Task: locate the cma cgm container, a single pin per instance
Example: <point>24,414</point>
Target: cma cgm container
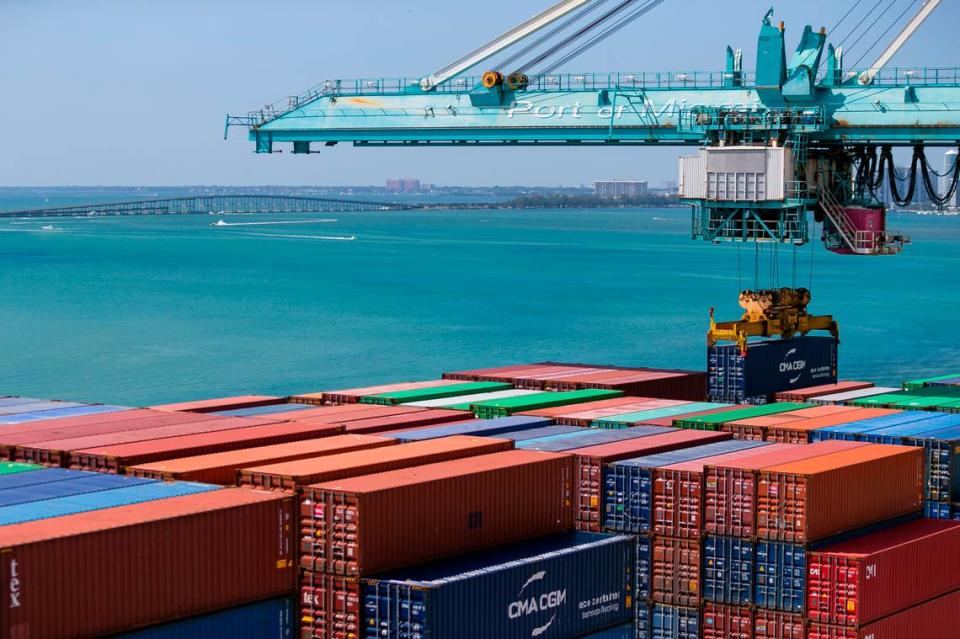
<point>557,586</point>
<point>858,581</point>
<point>166,559</point>
<point>727,622</point>
<point>293,475</point>
<point>628,484</point>
<point>222,468</point>
<point>730,488</point>
<point>589,464</point>
<point>935,619</point>
<point>769,367</point>
<point>405,517</point>
<point>271,619</point>
<point>816,498</point>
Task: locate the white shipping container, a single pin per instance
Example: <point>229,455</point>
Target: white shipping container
<point>476,397</point>
<point>737,174</point>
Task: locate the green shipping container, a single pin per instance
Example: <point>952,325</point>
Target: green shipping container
<point>434,392</point>
<point>626,420</point>
<point>510,405</point>
<point>920,383</point>
<point>9,468</point>
<point>714,422</point>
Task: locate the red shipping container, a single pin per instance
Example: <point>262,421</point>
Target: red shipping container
<point>755,428</point>
<point>678,493</point>
<point>108,571</point>
<point>221,403</point>
<point>813,499</point>
<point>222,467</point>
<point>805,394</point>
<point>769,624</point>
<point>935,619</point>
<point>66,427</point>
<point>676,572</point>
<point>57,452</point>
<point>353,395</point>
<point>800,432</point>
<point>116,459</point>
<point>585,414</point>
<point>730,489</point>
<point>293,475</point>
<point>330,606</point>
<point>482,374</point>
<point>364,525</point>
<point>856,582</point>
<point>727,622</point>
<point>427,417</point>
<point>356,411</point>
<point>590,462</point>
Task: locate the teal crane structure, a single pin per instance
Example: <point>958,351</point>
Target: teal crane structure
<point>795,138</point>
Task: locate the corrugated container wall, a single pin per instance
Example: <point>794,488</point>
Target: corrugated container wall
<point>935,619</point>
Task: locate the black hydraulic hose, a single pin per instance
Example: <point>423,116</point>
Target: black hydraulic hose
<point>887,161</point>
<point>932,191</point>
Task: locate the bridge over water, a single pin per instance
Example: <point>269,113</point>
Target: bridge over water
<point>206,204</point>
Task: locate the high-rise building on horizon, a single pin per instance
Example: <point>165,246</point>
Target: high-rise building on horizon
<point>949,164</point>
<point>620,188</point>
<point>403,185</point>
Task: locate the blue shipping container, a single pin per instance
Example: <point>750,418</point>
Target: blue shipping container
<point>554,587</point>
<point>31,407</point>
<point>674,623</point>
<point>644,620</point>
<point>770,367</point>
<point>477,428</point>
<point>273,619</point>
<point>940,510</point>
<point>941,452</point>
<point>264,410</point>
<point>854,430</point>
<point>61,506</point>
<point>624,631</point>
<point>781,576</point>
<point>628,484</point>
<point>536,433</point>
<point>590,437</point>
<point>643,570</point>
<point>728,569</point>
<point>13,401</point>
<point>81,484</point>
<point>56,413</point>
<point>895,435</point>
<point>31,477</point>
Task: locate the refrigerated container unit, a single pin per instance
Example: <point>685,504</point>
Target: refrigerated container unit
<point>770,367</point>
<point>566,585</point>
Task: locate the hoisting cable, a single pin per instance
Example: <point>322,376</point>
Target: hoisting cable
<point>576,35</point>
<point>529,48</point>
<point>873,24</point>
<point>857,26</point>
<point>850,33</point>
<point>597,39</point>
<point>884,34</point>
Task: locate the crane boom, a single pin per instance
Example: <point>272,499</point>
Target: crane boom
<point>928,8</point>
<point>511,37</point>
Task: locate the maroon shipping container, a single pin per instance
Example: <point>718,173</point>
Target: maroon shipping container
<point>53,429</point>
<point>590,462</point>
<point>349,412</point>
<point>856,582</point>
<point>222,403</point>
<point>115,459</point>
<point>937,619</point>
<point>770,624</point>
<point>501,373</point>
<point>727,622</point>
<point>730,489</point>
<point>816,498</point>
<point>678,493</point>
<point>364,525</point>
<point>687,386</point>
<point>428,417</point>
<point>113,570</point>
<point>293,475</point>
<point>755,428</point>
<point>806,394</point>
<point>222,467</point>
<point>329,606</point>
<point>676,572</point>
<point>57,452</point>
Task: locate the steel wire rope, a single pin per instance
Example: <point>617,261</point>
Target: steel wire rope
<point>873,24</point>
<point>884,34</point>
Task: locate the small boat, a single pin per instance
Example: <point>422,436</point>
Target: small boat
<point>219,223</point>
<point>48,227</point>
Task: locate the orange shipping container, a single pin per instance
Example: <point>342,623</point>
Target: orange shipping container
<point>292,475</point>
<point>802,431</point>
<point>809,500</point>
<point>222,468</point>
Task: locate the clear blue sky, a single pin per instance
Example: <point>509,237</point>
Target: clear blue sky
<point>120,92</point>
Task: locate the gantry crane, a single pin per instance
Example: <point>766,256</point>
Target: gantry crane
<point>795,138</point>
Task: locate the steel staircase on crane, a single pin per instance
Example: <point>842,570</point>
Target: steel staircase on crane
<point>842,235</point>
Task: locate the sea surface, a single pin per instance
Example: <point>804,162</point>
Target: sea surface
<point>142,310</point>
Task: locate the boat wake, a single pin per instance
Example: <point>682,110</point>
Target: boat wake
<point>330,238</point>
<point>321,221</point>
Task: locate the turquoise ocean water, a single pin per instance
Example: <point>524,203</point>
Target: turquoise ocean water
<point>143,310</point>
